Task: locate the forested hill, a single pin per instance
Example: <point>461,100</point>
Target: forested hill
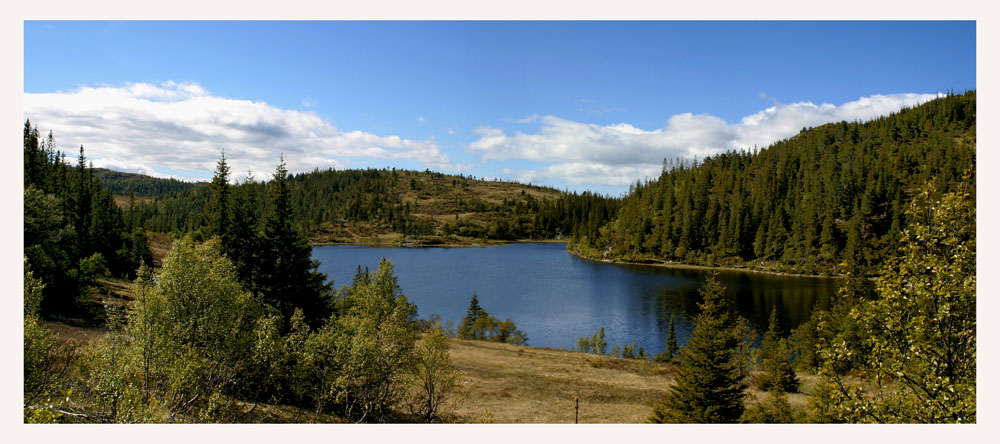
<point>139,185</point>
<point>830,194</point>
<point>392,206</point>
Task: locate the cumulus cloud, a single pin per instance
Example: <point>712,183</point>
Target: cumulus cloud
<point>182,127</point>
<point>617,155</point>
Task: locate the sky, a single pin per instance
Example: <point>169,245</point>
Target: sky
<point>587,105</point>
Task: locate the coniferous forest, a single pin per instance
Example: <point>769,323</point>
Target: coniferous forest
<point>235,323</point>
<point>806,205</point>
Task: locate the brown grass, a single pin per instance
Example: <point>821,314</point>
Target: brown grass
<point>123,201</point>
<point>159,245</point>
<point>510,384</point>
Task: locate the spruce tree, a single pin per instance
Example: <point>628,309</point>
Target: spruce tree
<point>775,359</point>
<point>245,238</point>
<point>473,313</point>
<point>217,211</point>
<point>290,278</point>
<point>709,386</point>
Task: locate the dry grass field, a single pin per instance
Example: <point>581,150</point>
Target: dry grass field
<point>504,383</point>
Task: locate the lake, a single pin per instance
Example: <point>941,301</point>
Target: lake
<point>556,297</point>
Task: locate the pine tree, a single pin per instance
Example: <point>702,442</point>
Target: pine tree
<point>709,386</point>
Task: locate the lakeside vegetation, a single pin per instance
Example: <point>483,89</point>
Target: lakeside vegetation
<point>237,316</point>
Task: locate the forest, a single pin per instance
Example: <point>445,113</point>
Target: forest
<point>829,195</point>
<point>237,317</point>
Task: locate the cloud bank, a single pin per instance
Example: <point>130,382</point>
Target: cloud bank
<point>617,155</point>
<point>181,127</point>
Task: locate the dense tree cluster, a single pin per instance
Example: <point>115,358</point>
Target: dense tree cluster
<point>805,204</point>
<point>140,185</point>
<point>478,324</point>
<point>271,254</point>
<point>195,346</point>
<point>900,351</point>
<point>72,227</point>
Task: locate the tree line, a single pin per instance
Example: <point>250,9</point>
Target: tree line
<point>73,229</point>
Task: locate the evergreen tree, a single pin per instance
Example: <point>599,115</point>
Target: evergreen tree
<point>289,276</point>
<point>775,359</point>
<point>217,211</point>
<point>709,386</point>
<point>474,313</point>
<point>672,348</point>
<point>245,237</point>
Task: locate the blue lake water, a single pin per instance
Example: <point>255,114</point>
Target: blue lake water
<point>556,297</point>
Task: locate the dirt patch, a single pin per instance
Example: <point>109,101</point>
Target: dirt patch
<point>159,245</point>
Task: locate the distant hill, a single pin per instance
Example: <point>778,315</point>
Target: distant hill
<point>831,194</point>
<point>122,184</point>
<point>383,206</point>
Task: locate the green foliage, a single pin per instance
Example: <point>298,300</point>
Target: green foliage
<point>473,314</point>
<point>920,341</point>
<point>594,344</point>
<point>123,184</point>
<point>93,266</point>
<point>193,328</point>
<point>709,385</point>
<point>114,384</point>
<point>432,378</point>
<point>373,342</point>
<point>50,246</point>
<point>478,324</point>
<point>774,358</point>
<point>380,201</point>
<point>828,194</point>
<point>289,276</point>
<point>774,410</point>
<point>69,216</point>
<point>46,364</point>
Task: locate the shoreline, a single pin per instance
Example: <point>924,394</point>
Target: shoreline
<point>680,265</point>
<point>659,264</point>
<point>419,244</point>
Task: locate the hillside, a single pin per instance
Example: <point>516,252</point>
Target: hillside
<point>830,195</point>
<point>139,185</point>
<point>398,207</point>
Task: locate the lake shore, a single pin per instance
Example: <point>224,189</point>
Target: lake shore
<point>394,242</point>
<point>680,265</point>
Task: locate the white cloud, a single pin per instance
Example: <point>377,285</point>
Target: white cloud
<point>143,127</point>
<point>585,153</point>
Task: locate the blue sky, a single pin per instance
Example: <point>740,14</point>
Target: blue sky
<point>578,105</point>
